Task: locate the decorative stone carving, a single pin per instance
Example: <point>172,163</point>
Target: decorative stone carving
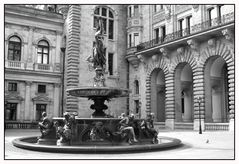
<point>168,12</point>
<point>99,79</point>
<point>57,85</point>
<point>155,58</point>
<point>64,134</point>
<point>100,133</point>
<point>164,51</point>
<point>180,50</point>
<point>193,44</point>
<point>228,34</point>
<point>211,43</point>
<point>28,83</point>
<point>142,59</point>
<point>63,9</point>
<point>195,7</point>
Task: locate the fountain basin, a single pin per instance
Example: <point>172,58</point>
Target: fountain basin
<point>30,144</point>
<point>109,92</point>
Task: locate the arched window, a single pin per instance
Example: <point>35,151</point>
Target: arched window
<point>136,84</point>
<point>14,48</point>
<point>43,52</point>
<point>108,20</point>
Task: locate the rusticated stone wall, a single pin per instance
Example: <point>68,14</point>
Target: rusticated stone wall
<point>73,51</point>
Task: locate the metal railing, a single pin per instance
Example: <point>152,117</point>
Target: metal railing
<point>21,125</point>
<point>217,126</point>
<point>209,24</point>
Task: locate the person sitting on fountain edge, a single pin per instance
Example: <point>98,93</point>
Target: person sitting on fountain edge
<point>124,126</point>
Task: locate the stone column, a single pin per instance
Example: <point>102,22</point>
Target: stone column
<point>169,101</point>
<point>30,47</point>
<point>56,100</point>
<point>28,110</point>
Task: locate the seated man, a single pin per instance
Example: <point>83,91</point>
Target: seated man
<point>147,126</point>
<point>125,127</point>
<point>45,126</point>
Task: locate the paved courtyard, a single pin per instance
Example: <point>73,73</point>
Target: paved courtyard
<point>209,145</point>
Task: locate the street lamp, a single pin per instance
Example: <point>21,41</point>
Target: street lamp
<point>199,99</point>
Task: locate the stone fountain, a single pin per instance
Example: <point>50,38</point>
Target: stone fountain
<point>101,132</point>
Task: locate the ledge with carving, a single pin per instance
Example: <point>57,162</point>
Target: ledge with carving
<point>133,59</point>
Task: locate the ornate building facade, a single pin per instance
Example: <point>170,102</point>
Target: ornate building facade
<point>182,64</point>
<point>178,61</point>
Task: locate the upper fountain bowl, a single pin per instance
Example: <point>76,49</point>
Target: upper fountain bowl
<point>109,92</point>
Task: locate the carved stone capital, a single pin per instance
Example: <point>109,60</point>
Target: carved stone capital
<point>57,85</point>
<point>193,44</point>
<point>211,43</point>
<point>180,50</point>
<point>228,34</point>
<point>28,83</point>
<point>195,7</point>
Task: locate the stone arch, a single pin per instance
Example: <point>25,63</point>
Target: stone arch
<point>219,49</point>
<point>15,34</point>
<point>185,57</point>
<point>106,6</point>
<point>43,38</point>
<point>160,64</point>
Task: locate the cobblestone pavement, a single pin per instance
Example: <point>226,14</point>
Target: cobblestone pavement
<point>209,145</point>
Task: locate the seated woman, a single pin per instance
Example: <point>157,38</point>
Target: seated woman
<point>125,127</point>
<point>147,126</point>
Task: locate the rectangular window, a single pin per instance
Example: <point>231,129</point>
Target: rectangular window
<point>156,35</point>
<point>136,39</point>
<point>155,8</point>
<point>111,29</point>
<point>219,13</point>
<point>189,24</point>
<point>129,13</point>
<point>12,86</point>
<point>136,106</point>
<point>130,39</point>
<point>136,10</point>
<point>11,111</point>
<point>163,33</point>
<point>104,12</point>
<point>104,24</point>
<point>14,51</point>
<point>110,63</point>
<point>41,88</point>
<point>180,27</point>
<point>40,108</point>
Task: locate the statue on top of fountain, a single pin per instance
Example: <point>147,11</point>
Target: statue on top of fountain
<point>98,58</point>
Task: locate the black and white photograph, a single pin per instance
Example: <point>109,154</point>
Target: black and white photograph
<point>118,81</point>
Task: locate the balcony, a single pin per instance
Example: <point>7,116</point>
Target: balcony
<point>43,67</point>
<point>198,28</point>
<point>14,64</point>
